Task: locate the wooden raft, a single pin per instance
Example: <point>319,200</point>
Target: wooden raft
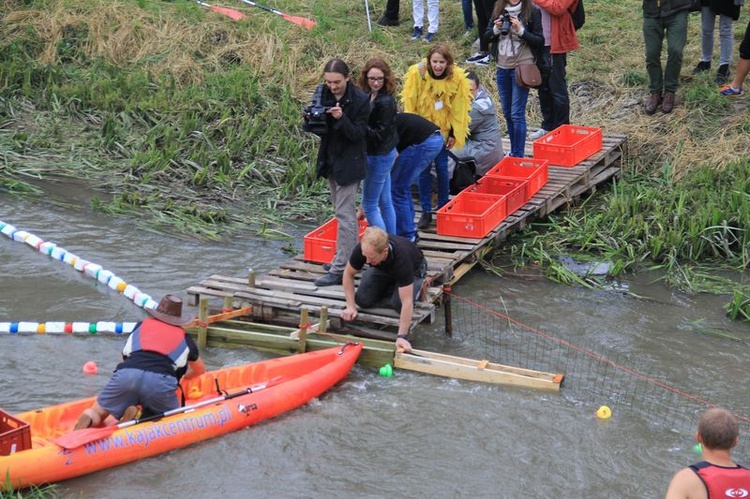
<point>278,296</point>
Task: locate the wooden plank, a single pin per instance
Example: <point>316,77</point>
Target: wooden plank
<point>468,369</point>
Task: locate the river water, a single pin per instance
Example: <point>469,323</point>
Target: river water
<point>410,435</point>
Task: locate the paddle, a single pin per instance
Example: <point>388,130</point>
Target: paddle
<point>77,438</point>
<point>301,21</point>
<point>230,13</point>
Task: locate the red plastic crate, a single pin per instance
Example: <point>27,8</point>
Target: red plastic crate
<point>320,244</point>
<point>15,435</point>
<point>471,214</point>
<point>568,145</point>
<point>513,190</point>
<point>533,170</point>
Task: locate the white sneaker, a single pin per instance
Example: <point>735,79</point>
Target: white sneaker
<point>538,134</point>
<point>476,56</point>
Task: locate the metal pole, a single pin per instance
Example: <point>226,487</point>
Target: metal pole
<point>367,9</point>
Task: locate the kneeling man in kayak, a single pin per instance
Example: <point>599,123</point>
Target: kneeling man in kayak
<point>157,354</point>
<point>394,278</point>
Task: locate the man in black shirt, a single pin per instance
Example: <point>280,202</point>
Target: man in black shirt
<point>395,274</point>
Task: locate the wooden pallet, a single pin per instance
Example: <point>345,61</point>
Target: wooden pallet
<point>279,295</point>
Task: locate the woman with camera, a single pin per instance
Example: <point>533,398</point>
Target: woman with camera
<point>378,80</point>
<point>438,90</point>
<point>342,155</point>
<point>517,30</point>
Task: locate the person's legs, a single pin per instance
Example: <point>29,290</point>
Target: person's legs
<point>505,92</point>
<point>374,286</point>
<point>417,12</point>
<point>676,26</point>
<point>386,201</point>
<point>158,393</point>
<point>344,198</point>
<point>468,14</point>
<point>443,179</point>
<point>653,37</point>
<point>433,16</point>
<point>708,20</point>
<point>373,187</point>
<point>518,111</point>
<point>483,9</point>
<point>559,90</point>
<point>545,92</point>
<point>726,40</point>
<point>391,11</point>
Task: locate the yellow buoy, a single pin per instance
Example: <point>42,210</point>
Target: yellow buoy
<point>604,412</point>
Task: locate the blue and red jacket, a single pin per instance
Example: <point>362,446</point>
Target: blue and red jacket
<point>156,336</point>
<point>723,482</point>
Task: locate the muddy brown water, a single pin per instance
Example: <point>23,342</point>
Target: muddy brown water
<point>411,435</point>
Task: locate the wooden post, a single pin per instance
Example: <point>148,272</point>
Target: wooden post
<point>323,326</point>
<point>203,318</point>
<point>448,311</point>
<point>228,305</point>
<point>251,278</point>
<point>303,325</point>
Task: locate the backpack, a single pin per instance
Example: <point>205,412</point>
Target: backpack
<point>578,15</point>
<point>464,175</point>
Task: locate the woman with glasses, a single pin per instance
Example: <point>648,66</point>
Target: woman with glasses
<point>378,80</point>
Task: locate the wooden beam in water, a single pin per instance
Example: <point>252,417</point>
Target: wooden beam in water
<point>475,370</point>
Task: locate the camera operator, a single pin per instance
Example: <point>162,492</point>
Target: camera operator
<point>342,155</point>
<point>516,30</point>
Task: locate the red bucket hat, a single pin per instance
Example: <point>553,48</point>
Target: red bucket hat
<point>170,311</point>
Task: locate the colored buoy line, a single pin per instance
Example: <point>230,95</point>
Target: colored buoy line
<point>90,269</point>
<point>67,327</point>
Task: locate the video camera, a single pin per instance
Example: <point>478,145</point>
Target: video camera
<point>315,114</point>
<point>504,23</point>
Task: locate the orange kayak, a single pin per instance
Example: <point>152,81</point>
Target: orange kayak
<point>39,447</point>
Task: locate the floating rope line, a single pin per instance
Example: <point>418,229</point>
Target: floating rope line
<point>597,357</point>
<point>89,269</point>
<point>67,327</point>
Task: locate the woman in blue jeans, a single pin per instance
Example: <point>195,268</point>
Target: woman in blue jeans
<point>520,44</point>
<point>378,80</point>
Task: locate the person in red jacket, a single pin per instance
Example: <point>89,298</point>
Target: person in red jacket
<point>559,39</point>
<point>157,354</point>
<point>717,476</point>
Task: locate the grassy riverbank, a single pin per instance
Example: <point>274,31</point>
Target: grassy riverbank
<point>181,116</point>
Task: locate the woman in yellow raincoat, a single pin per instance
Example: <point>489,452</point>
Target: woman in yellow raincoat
<point>438,90</point>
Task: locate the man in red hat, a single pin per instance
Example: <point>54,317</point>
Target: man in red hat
<point>156,356</point>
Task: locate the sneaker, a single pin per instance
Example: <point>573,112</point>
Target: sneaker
<point>417,33</point>
<point>430,37</point>
<point>425,221</point>
<point>722,75</point>
<point>330,279</point>
<point>477,57</point>
<point>728,91</point>
<point>538,134</point>
<point>468,32</point>
<point>130,413</point>
<point>384,21</point>
<point>701,67</point>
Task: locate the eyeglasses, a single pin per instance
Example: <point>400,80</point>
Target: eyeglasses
<point>376,78</point>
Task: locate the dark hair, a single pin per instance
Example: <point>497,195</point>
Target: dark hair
<point>337,66</point>
<point>389,85</point>
<point>471,75</point>
<point>718,429</point>
<point>442,49</point>
<point>526,8</point>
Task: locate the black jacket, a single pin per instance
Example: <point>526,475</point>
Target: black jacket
<point>343,148</point>
<point>381,128</point>
<point>664,8</point>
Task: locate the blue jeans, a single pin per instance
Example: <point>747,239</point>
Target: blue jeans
<point>443,182</point>
<point>468,15</point>
<point>411,162</point>
<point>513,101</point>
<point>154,391</point>
<point>376,192</point>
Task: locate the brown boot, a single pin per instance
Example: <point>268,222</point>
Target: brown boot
<point>652,103</point>
<point>668,103</point>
